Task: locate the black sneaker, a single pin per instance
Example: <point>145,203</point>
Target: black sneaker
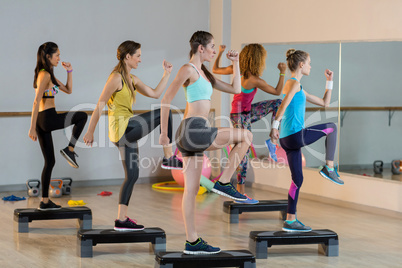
<point>201,247</point>
<point>127,225</point>
<point>229,191</point>
<point>172,163</point>
<point>70,157</point>
<point>48,206</point>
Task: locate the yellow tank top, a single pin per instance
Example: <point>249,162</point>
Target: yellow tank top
<point>120,111</point>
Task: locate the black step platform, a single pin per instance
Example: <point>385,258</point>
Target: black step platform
<point>23,216</point>
<point>234,209</point>
<point>229,258</point>
<point>89,238</point>
<point>260,241</point>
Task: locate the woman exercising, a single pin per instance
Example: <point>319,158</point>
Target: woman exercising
<point>294,135</point>
<point>45,119</point>
<point>125,129</point>
<point>194,135</point>
<point>243,113</point>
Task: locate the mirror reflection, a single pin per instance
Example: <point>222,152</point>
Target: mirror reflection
<point>365,104</point>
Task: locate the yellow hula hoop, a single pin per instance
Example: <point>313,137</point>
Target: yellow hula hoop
<point>173,186</point>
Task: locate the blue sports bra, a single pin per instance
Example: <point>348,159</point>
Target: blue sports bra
<point>199,90</point>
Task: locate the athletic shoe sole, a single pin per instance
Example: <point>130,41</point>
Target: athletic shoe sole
<point>224,194</point>
<point>127,230</point>
<point>295,231</point>
<point>328,178</point>
<point>44,209</point>
<point>199,252</point>
<point>169,167</point>
<point>69,160</point>
<point>247,202</point>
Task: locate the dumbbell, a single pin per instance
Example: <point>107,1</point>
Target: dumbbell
<point>33,187</point>
<point>56,188</point>
<point>378,166</point>
<point>67,185</point>
<point>395,167</point>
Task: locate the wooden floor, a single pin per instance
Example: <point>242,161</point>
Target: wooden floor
<point>366,240</point>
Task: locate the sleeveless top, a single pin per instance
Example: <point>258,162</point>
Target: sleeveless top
<point>51,92</point>
<point>199,90</point>
<point>293,118</point>
<point>242,101</point>
<point>120,111</point>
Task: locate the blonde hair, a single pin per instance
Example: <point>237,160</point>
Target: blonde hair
<point>252,60</point>
<point>294,57</point>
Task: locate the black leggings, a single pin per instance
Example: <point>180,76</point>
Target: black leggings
<point>48,121</point>
<point>138,127</point>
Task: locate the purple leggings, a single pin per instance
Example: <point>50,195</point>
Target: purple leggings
<point>292,145</point>
<point>245,119</point>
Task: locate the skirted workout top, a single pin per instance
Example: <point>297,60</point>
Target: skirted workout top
<point>120,111</point>
<point>293,118</point>
<point>242,101</point>
<point>199,90</point>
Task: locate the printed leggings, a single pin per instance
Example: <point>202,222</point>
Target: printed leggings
<point>138,127</point>
<point>48,121</point>
<point>292,145</point>
<point>244,120</point>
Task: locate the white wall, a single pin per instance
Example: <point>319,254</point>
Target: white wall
<point>88,34</point>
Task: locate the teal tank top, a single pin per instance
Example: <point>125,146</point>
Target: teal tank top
<point>293,118</point>
<point>199,90</point>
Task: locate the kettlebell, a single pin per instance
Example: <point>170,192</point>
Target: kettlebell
<point>67,185</point>
<point>33,187</point>
<point>395,167</point>
<point>56,186</point>
<point>378,166</point>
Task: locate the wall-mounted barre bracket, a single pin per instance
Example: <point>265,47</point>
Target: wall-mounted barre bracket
<point>390,114</point>
<point>343,114</point>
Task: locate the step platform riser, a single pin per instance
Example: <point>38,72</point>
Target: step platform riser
<point>232,258</point>
<point>86,240</point>
<point>22,217</point>
<point>260,241</point>
<point>233,209</point>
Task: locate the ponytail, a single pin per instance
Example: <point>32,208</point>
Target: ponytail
<point>43,63</point>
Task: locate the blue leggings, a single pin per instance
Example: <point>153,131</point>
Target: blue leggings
<point>292,145</point>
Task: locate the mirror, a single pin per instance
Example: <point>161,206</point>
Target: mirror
<point>370,74</point>
<point>365,104</point>
<point>322,56</point>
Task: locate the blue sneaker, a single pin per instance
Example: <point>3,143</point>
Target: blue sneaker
<point>272,150</point>
<point>295,226</point>
<point>331,175</point>
<point>201,247</point>
<point>229,191</point>
<point>249,200</point>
